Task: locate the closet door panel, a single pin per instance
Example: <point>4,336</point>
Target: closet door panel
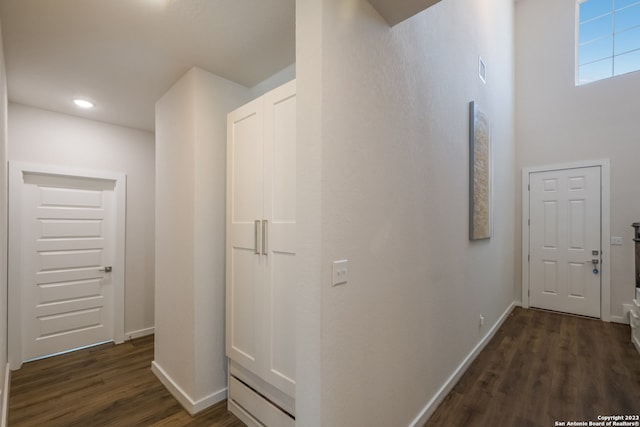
<point>280,211</point>
<point>242,305</point>
<point>245,164</point>
<point>245,153</point>
<point>282,321</point>
<point>280,147</point>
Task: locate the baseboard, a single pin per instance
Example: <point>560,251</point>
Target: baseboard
<point>624,319</point>
<point>619,319</point>
<point>191,406</point>
<point>433,404</point>
<point>4,411</point>
<point>139,333</point>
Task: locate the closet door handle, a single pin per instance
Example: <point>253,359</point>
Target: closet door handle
<point>256,225</point>
<point>265,227</point>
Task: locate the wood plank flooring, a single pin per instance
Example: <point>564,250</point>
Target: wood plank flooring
<point>544,367</point>
<point>540,368</point>
<point>102,386</point>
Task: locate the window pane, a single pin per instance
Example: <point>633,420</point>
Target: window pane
<point>627,63</point>
<point>596,28</point>
<point>592,8</point>
<point>595,71</point>
<point>599,49</point>
<point>627,41</point>
<point>619,4</point>
<point>627,18</point>
<point>608,38</point>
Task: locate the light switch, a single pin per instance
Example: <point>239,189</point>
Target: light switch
<point>616,240</point>
<point>340,272</point>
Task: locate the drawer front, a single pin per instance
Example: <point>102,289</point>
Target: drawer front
<point>634,320</point>
<point>259,407</point>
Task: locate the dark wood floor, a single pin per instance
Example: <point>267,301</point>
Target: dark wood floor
<point>539,368</point>
<point>543,367</point>
<point>101,386</point>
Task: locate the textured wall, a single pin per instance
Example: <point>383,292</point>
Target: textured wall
<point>559,122</point>
<point>3,221</point>
<point>44,137</point>
<point>389,132</point>
<point>191,141</point>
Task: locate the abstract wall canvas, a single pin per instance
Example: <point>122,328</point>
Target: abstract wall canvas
<point>479,174</point>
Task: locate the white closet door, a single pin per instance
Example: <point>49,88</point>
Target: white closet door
<point>280,214</point>
<point>244,208</point>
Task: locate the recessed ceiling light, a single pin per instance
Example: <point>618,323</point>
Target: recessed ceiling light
<point>83,103</point>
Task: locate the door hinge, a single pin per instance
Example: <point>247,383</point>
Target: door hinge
<point>529,222</point>
<point>529,257</point>
<point>528,187</point>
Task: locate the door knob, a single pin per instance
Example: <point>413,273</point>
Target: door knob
<point>106,269</point>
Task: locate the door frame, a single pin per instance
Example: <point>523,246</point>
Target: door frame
<point>605,228</point>
<point>16,185</point>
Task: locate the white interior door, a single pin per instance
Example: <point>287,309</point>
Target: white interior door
<point>565,240</point>
<point>66,264</point>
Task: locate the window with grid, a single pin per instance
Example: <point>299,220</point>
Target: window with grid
<point>608,39</point>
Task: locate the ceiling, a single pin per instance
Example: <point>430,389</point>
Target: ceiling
<point>396,11</point>
<point>125,54</point>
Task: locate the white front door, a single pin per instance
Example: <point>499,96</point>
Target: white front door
<point>65,261</point>
<point>565,240</point>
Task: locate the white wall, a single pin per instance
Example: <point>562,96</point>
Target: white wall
<point>190,235</point>
<point>384,112</point>
<point>558,122</point>
<point>3,237</point>
<point>309,217</point>
<point>44,137</point>
<point>278,79</point>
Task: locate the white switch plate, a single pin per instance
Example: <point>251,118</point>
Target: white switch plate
<point>340,272</point>
<point>616,240</point>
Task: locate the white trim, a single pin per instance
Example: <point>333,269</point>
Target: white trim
<point>16,170</point>
<point>139,333</point>
<point>576,46</point>
<point>14,294</point>
<point>605,229</point>
<point>619,319</point>
<point>624,319</point>
<point>4,411</point>
<point>191,406</point>
<point>634,325</point>
<point>433,404</point>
